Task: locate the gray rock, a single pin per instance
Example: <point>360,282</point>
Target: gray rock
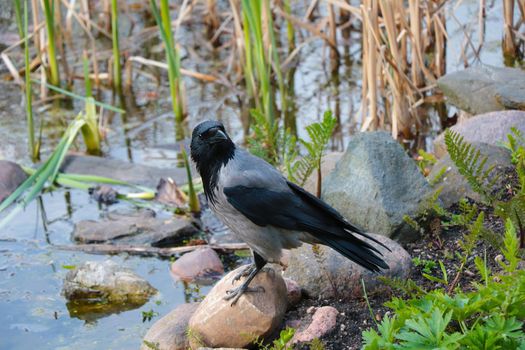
<point>327,274</point>
<point>375,184</point>
<point>141,227</point>
<point>201,264</point>
<point>491,128</point>
<point>483,89</point>
<point>169,333</point>
<point>217,323</point>
<point>106,282</point>
<point>11,176</point>
<point>455,187</point>
<point>293,290</point>
<point>137,174</point>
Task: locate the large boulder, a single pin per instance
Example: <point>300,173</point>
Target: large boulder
<point>376,184</point>
<point>199,265</point>
<point>455,187</point>
<point>483,89</point>
<point>138,174</point>
<point>217,323</point>
<point>11,176</point>
<point>170,332</point>
<point>490,128</point>
<point>140,227</point>
<point>324,273</point>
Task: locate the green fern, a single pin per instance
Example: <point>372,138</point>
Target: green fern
<point>471,164</point>
<point>319,134</point>
<point>516,145</point>
<point>264,143</point>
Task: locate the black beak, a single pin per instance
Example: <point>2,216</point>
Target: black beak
<point>219,136</point>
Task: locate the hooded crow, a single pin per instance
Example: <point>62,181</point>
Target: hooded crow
<point>266,210</point>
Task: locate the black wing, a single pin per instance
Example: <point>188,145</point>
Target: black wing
<point>298,210</point>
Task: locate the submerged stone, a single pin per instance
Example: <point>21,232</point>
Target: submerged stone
<point>11,176</point>
<point>100,288</point>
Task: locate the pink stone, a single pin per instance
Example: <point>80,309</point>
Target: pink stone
<point>324,321</point>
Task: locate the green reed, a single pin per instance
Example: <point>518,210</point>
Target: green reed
<point>34,147</point>
<point>261,63</point>
<point>193,200</point>
<point>49,14</point>
<point>172,57</point>
<point>18,17</point>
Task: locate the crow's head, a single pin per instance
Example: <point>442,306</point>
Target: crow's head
<point>211,147</point>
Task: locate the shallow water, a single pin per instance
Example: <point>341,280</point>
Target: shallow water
<point>32,269</point>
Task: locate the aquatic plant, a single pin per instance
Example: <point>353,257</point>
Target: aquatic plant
<point>172,57</point>
<point>49,13</point>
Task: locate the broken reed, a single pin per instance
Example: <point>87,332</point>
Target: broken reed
<point>396,69</point>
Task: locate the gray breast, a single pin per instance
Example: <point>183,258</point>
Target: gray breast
<point>267,241</point>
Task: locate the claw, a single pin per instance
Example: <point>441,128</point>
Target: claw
<point>236,293</point>
<point>246,271</point>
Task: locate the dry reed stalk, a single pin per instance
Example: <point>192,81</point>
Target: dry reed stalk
<point>415,28</point>
<point>481,23</point>
<point>396,36</point>
<point>509,45</point>
<point>148,62</point>
<point>35,9</point>
<point>332,29</point>
<point>212,21</point>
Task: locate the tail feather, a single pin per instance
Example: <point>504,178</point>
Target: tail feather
<point>358,251</point>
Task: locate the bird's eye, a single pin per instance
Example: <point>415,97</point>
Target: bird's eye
<point>208,133</point>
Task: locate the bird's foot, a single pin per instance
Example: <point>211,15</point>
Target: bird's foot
<point>236,293</point>
<point>246,271</point>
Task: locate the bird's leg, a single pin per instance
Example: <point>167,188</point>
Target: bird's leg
<point>253,269</point>
<point>246,271</point>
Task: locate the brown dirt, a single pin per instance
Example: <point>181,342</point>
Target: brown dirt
<point>355,315</point>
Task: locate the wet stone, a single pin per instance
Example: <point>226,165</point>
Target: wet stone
<point>140,227</point>
<point>11,176</point>
<point>200,265</point>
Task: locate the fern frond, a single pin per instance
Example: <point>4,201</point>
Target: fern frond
<point>471,164</point>
<point>319,134</point>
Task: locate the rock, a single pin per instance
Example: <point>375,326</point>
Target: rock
<point>169,333</point>
<point>11,176</point>
<point>293,291</point>
<point>483,89</point>
<point>220,349</point>
<point>328,274</point>
<point>328,164</point>
<point>376,184</point>
<point>217,323</point>
<point>106,283</point>
<point>104,194</point>
<point>200,264</point>
<point>137,174</point>
<point>140,227</point>
<point>491,128</point>
<point>455,187</point>
<point>323,322</point>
